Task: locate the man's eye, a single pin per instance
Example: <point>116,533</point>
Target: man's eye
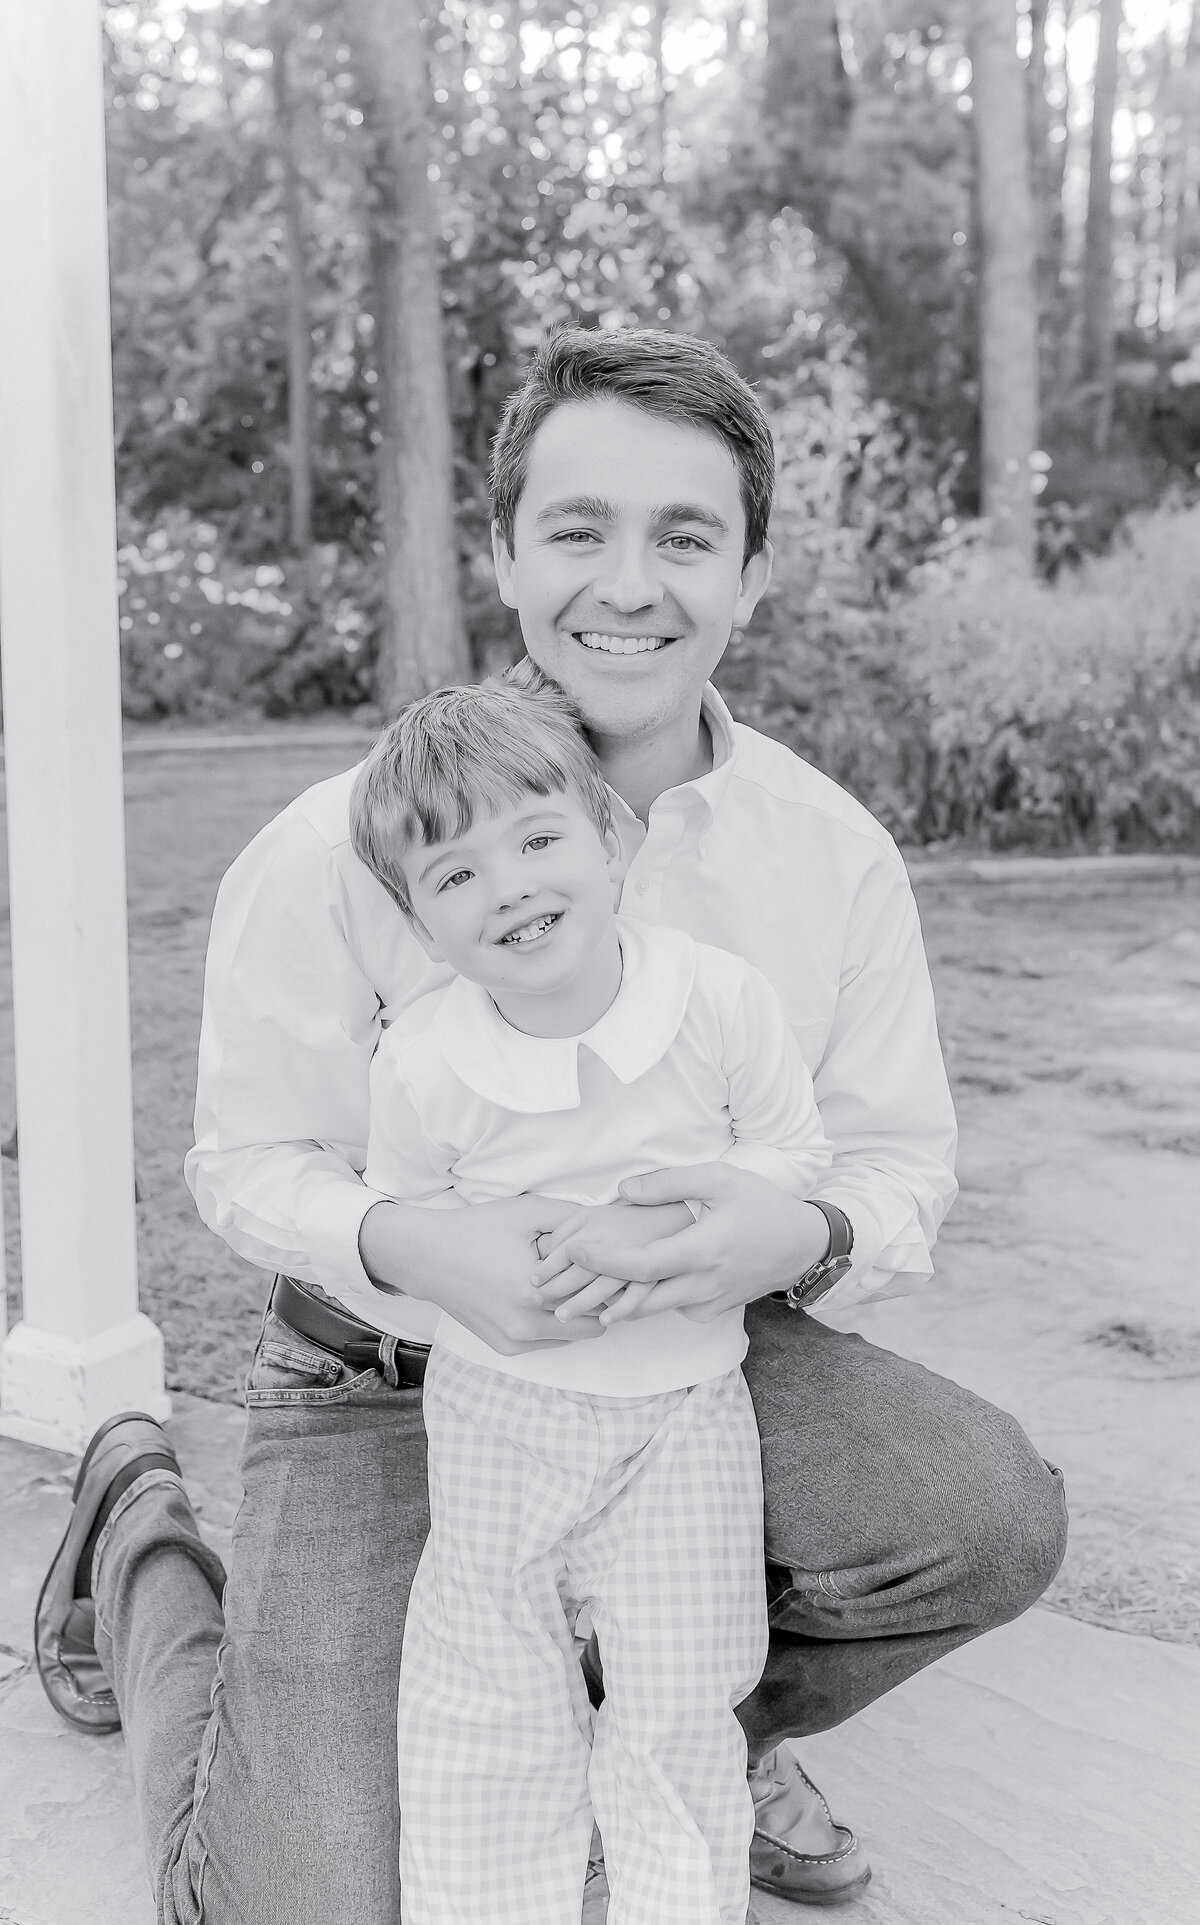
<point>685,544</point>
<point>452,881</point>
<point>576,537</point>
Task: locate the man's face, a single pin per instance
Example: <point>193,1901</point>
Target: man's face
<point>521,901</point>
<point>626,568</point>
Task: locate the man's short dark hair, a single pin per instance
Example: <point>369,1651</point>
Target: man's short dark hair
<point>674,375</point>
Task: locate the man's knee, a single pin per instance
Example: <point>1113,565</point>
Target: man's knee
<point>1012,1528</point>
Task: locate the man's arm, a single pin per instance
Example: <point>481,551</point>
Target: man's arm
<point>290,1023</point>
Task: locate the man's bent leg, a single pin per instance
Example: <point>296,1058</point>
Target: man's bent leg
<point>904,1515</point>
<point>279,1804</point>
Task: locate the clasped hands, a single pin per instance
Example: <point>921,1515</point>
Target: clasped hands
<point>527,1271</point>
<point>648,1252</point>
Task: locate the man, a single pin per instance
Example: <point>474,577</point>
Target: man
<point>632,481</point>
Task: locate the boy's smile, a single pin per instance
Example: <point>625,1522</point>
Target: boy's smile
<point>627,567</point>
<point>522,903</point>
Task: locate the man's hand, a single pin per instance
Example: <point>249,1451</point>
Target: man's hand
<point>576,1290</point>
<point>476,1264</point>
<point>751,1238</point>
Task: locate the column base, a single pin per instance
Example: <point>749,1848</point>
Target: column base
<point>56,1391</point>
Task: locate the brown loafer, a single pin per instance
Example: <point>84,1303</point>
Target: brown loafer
<point>64,1633</point>
<point>809,1878</point>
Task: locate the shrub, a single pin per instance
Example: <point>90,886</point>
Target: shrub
<point>1003,712</point>
<point>204,635</point>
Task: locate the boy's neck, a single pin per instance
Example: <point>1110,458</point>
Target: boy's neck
<point>645,767</point>
<point>573,1008</point>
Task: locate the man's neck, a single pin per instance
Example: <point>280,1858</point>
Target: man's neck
<point>643,769</point>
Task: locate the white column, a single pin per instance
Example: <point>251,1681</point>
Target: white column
<point>82,1351</point>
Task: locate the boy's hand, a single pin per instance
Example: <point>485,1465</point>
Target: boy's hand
<point>751,1238</point>
<point>474,1263</point>
<point>577,1289</point>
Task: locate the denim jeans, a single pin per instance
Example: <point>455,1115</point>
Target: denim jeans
<point>904,1516</point>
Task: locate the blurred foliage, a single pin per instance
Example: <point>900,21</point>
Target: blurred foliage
<point>606,162</point>
<point>988,710</point>
<point>203,634</point>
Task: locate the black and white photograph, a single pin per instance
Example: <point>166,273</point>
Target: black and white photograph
<point>599,962</point>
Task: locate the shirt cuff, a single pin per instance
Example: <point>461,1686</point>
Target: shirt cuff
<point>882,1266</point>
<point>330,1220</point>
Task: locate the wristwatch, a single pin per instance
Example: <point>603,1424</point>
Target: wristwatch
<point>815,1282</point>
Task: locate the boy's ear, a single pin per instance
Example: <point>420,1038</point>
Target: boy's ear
<point>504,566</point>
<point>614,856</point>
<point>424,938</point>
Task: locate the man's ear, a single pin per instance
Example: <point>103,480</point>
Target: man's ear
<point>424,938</point>
<point>755,576</point>
<point>505,567</point>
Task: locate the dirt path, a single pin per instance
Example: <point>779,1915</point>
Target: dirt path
<point>1068,1269</point>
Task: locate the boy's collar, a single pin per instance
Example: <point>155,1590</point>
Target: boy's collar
<point>537,1074</point>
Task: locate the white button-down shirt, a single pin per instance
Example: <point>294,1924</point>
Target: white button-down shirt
<point>693,1061</point>
<point>309,959</point>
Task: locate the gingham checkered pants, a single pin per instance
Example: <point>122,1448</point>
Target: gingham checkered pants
<point>646,1514</point>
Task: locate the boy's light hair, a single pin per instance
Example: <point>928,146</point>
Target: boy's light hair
<point>464,752</point>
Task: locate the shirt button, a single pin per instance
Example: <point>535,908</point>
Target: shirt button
<point>642,888</point>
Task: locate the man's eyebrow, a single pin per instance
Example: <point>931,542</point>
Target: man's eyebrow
<point>591,507</point>
<point>691,511</point>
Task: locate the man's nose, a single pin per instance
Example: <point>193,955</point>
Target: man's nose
<point>627,580</point>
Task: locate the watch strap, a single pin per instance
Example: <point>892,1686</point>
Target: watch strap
<point>821,1276</point>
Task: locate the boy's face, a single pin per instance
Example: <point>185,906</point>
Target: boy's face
<point>626,568</point>
<point>521,902</point>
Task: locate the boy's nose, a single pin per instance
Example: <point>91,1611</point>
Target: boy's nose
<point>511,892</point>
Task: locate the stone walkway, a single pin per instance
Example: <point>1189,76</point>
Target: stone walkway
<point>1050,1773</point>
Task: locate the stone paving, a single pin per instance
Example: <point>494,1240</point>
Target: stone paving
<point>1049,1773</point>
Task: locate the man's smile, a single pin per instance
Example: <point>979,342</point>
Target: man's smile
<point>621,644</point>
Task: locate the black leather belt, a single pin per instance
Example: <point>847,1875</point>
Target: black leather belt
<point>357,1344</point>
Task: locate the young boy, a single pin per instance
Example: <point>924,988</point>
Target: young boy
<point>612,1483</point>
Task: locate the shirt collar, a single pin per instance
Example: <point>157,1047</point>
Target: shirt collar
<point>709,789</point>
<point>533,1074</point>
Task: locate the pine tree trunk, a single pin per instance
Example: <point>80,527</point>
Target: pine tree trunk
<point>424,642</point>
<point>807,101</point>
<point>299,336</point>
<point>1096,361</point>
<point>1008,287</point>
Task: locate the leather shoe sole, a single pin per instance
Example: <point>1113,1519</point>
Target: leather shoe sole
<point>64,1634</point>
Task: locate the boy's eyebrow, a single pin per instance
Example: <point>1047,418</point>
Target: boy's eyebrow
<point>545,809</point>
<point>593,507</point>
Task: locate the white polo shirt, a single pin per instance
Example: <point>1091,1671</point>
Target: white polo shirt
<point>693,1061</point>
<point>309,959</point>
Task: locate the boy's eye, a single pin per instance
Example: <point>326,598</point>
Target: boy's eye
<point>539,842</point>
<point>452,881</point>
